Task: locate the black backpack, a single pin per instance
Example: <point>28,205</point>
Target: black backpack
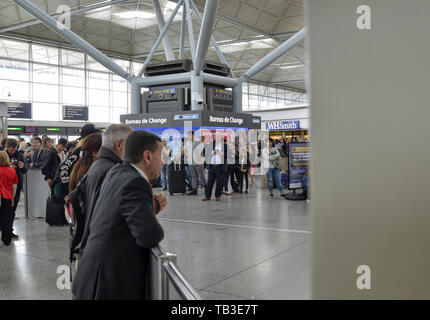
<point>76,204</point>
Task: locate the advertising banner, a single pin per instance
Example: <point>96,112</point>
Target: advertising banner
<point>298,162</point>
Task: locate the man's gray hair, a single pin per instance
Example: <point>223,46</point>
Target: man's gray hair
<point>114,133</point>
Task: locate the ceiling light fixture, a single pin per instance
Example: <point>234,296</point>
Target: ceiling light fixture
<point>292,66</point>
<point>135,14</point>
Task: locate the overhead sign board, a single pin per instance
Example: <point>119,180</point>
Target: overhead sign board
<point>19,110</point>
<point>79,113</point>
<point>200,118</point>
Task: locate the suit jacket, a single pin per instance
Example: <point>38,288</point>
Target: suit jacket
<point>105,161</point>
<point>114,264</point>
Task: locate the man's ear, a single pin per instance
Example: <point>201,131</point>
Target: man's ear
<point>118,145</point>
<point>147,155</point>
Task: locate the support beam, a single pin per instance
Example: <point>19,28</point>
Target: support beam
<point>187,9</point>
<point>73,12</point>
<point>276,66</point>
<point>274,55</point>
<point>219,80</point>
<point>164,79</point>
<point>297,57</point>
<point>197,101</point>
<point>213,42</point>
<point>205,34</point>
<point>237,98</point>
<point>220,43</point>
<point>160,37</point>
<point>73,38</point>
<point>182,39</point>
<point>244,26</point>
<point>135,98</point>
<point>160,21</point>
<point>184,78</point>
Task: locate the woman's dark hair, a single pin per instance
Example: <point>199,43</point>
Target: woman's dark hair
<point>70,145</point>
<point>89,145</point>
<point>137,143</point>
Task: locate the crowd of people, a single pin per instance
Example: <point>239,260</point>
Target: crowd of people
<point>115,172</point>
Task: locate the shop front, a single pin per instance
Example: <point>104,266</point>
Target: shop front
<point>288,129</point>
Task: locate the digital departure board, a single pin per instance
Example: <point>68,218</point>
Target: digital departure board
<point>79,113</point>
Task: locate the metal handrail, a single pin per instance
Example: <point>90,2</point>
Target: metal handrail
<point>185,289</point>
<point>170,272</point>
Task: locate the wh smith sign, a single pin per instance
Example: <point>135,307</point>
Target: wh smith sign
<point>282,125</point>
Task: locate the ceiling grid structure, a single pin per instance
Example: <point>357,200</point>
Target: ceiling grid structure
<point>245,30</point>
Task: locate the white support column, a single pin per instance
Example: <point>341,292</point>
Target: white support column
<point>182,39</point>
<point>205,34</point>
<point>197,95</point>
<point>237,98</point>
<point>136,100</point>
<point>160,21</point>
<point>187,9</point>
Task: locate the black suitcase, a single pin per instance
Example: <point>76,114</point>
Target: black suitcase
<point>176,178</point>
<point>55,214</point>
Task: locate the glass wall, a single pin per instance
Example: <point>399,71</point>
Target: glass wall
<point>259,97</point>
<point>50,77</point>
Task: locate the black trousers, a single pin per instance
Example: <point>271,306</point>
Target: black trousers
<point>6,220</point>
<point>235,175</point>
<point>243,175</point>
<point>215,173</point>
<point>16,200</point>
<point>230,171</point>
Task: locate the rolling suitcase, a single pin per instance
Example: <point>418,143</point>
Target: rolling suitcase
<point>284,179</point>
<point>55,214</point>
<point>176,178</point>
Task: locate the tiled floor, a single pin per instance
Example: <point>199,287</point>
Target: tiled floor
<point>244,247</point>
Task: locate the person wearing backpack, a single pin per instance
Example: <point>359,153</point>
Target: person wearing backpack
<point>110,154</point>
<point>60,185</point>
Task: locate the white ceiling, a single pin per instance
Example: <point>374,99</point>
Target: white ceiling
<point>271,20</point>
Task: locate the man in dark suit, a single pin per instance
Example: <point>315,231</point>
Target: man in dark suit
<point>115,262</point>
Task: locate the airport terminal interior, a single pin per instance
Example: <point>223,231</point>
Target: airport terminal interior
<point>248,73</point>
<point>246,246</point>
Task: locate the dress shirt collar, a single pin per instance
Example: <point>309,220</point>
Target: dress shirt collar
<point>140,172</point>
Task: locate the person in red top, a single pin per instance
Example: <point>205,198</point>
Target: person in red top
<point>8,182</point>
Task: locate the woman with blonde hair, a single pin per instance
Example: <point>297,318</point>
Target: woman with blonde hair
<point>8,183</point>
<point>46,143</point>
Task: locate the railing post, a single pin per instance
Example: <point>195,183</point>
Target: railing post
<point>25,196</point>
<point>163,281</point>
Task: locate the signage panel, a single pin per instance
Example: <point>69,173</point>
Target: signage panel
<point>298,162</point>
<point>19,110</point>
<point>79,113</point>
<point>283,125</point>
